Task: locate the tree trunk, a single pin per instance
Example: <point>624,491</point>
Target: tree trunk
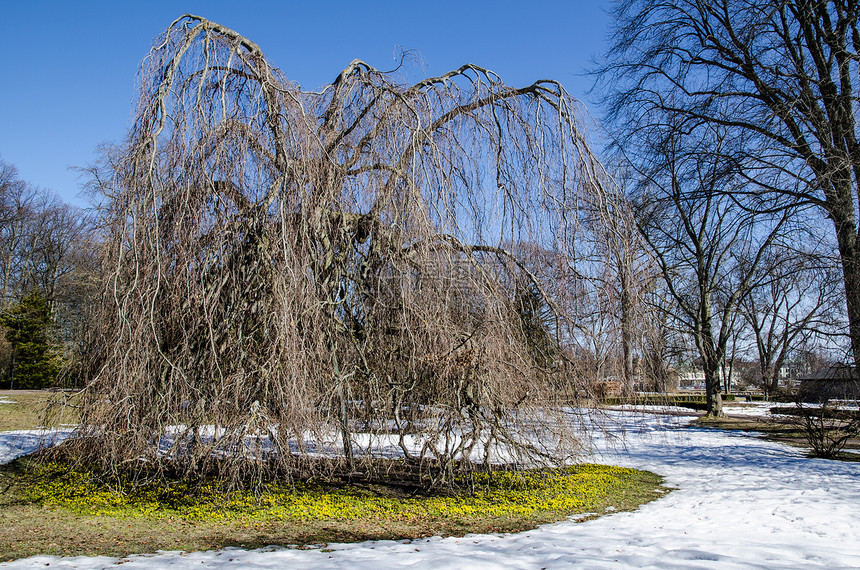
<point>343,414</point>
<point>713,395</point>
<point>769,382</point>
<point>846,237</point>
<point>12,368</point>
<point>851,275</point>
<point>627,331</point>
<point>711,353</point>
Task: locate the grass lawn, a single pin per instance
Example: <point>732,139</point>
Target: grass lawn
<point>26,409</point>
<point>55,516</point>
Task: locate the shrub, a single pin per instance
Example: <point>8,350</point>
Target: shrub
<point>826,428</point>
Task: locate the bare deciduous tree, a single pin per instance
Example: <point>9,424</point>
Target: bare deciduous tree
<point>707,247</point>
<point>18,201</point>
<point>43,247</point>
<point>287,270</point>
<point>794,299</point>
<point>780,74</point>
<point>626,275</point>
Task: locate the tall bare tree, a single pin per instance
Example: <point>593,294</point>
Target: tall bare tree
<point>626,272</point>
<point>707,247</point>
<point>299,269</point>
<point>793,303</point>
<point>780,73</point>
<point>44,249</point>
<point>18,206</point>
<point>40,238</point>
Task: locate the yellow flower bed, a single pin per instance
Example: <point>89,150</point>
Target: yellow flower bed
<point>497,494</point>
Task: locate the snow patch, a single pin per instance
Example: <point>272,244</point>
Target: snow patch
<point>14,444</point>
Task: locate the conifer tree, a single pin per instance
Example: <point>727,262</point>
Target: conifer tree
<point>36,358</point>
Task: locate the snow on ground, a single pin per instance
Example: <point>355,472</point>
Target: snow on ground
<point>763,409</point>
<point>734,409</point>
<point>753,409</point>
<point>15,444</point>
<point>655,409</point>
<point>741,502</point>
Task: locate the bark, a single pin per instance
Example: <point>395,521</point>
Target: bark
<point>844,222</point>
<point>712,351</point>
<point>627,329</point>
<point>713,389</point>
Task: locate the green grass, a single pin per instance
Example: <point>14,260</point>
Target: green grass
<point>49,509</point>
<point>30,409</point>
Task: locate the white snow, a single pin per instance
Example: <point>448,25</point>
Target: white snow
<point>741,502</point>
<point>763,409</point>
<point>14,444</point>
<point>656,409</point>
<point>756,409</point>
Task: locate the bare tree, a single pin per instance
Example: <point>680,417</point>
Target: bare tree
<point>288,270</point>
<point>707,247</point>
<point>626,273</point>
<point>18,205</point>
<point>659,344</point>
<point>43,247</point>
<point>40,237</point>
<point>794,299</point>
<point>780,74</point>
<point>58,235</point>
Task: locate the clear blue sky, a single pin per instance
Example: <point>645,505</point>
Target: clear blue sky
<point>67,77</point>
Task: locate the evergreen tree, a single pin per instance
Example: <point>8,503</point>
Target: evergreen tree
<point>36,359</point>
<point>536,321</point>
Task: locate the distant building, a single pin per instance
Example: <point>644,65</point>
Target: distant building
<point>692,377</point>
<point>837,382</point>
<point>790,375</point>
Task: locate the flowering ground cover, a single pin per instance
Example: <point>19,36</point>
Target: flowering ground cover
<point>506,497</point>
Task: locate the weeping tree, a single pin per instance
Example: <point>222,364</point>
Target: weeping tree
<point>299,282</point>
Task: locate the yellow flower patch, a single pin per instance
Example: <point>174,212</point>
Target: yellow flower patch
<point>496,494</point>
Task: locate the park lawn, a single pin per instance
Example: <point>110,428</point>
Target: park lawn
<point>49,515</point>
<point>774,429</point>
<point>33,409</point>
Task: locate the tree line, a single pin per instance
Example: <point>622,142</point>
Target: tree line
<point>47,271</point>
<point>736,122</point>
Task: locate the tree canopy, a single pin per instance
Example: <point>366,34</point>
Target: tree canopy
<point>36,358</point>
<point>288,266</point>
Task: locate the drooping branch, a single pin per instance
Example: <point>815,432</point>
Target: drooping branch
<point>292,268</point>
